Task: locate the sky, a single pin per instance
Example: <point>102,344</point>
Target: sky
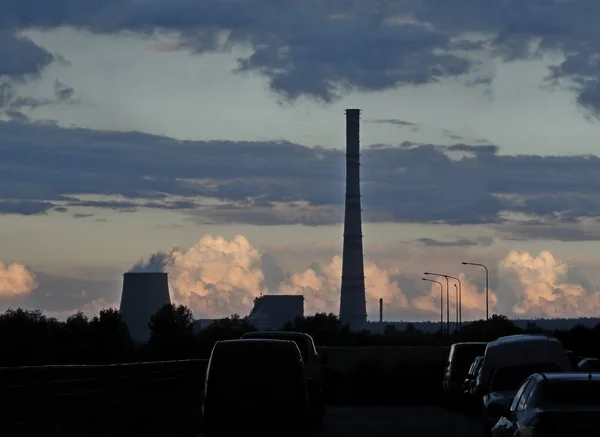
<point>206,139</point>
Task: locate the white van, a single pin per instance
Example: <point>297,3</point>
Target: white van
<point>514,350</point>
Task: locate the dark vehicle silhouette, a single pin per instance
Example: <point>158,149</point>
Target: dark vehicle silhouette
<point>552,404</point>
<point>469,383</point>
<point>312,364</point>
<point>503,386</point>
<point>255,387</point>
<point>460,358</point>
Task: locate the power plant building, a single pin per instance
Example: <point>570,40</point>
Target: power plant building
<point>143,295</point>
<point>271,312</point>
<point>353,305</point>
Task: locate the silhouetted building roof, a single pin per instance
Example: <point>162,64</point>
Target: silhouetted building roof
<point>275,310</point>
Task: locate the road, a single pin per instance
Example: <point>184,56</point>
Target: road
<point>398,422</point>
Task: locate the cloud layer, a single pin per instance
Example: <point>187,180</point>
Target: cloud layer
<point>217,277</point>
<point>325,49</point>
<point>46,167</point>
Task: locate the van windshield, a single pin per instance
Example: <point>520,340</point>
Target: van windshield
<point>510,378</point>
<point>299,340</point>
<point>255,370</point>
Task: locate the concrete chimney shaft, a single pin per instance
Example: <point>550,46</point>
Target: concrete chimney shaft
<point>143,295</point>
<point>353,308</point>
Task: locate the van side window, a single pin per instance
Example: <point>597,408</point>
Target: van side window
<point>519,395</point>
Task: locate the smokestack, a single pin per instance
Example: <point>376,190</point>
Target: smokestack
<point>353,306</point>
<point>143,295</point>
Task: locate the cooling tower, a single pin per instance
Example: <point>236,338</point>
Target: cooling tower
<point>353,308</point>
<point>143,295</point>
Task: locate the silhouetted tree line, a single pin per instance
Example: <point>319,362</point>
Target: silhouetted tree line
<point>30,338</point>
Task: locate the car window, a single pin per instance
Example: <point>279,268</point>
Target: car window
<point>525,395</point>
<point>461,358</point>
<point>515,401</point>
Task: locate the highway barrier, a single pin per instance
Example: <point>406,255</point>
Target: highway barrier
<point>121,398</point>
<point>105,398</point>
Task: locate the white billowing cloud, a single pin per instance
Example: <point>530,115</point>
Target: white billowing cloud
<point>473,299</point>
<point>544,292</point>
<point>216,277</point>
<point>16,280</point>
<point>320,286</point>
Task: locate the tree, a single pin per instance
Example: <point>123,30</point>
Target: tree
<point>27,338</point>
<point>325,329</point>
<point>75,340</point>
<point>110,337</point>
<point>171,332</point>
<point>227,328</point>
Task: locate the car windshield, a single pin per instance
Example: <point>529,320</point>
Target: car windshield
<point>510,378</point>
<point>583,392</point>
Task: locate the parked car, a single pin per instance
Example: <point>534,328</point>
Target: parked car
<point>548,405</point>
<point>460,358</point>
<point>255,386</point>
<point>312,364</point>
<point>503,386</point>
<point>589,365</point>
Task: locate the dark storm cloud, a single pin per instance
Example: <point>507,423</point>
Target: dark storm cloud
<point>572,230</point>
<point>46,167</point>
<point>325,49</point>
<point>24,207</point>
<point>485,241</point>
<point>20,57</point>
<point>394,121</point>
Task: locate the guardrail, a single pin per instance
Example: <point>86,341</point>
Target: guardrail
<point>109,398</point>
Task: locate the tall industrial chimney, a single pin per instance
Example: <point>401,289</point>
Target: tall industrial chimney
<point>353,306</point>
<point>143,295</point>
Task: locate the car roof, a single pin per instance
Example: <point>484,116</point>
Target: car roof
<point>468,343</point>
<point>255,340</point>
<point>277,333</point>
<point>570,376</point>
<point>522,338</point>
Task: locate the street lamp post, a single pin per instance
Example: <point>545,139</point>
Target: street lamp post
<point>441,302</point>
<point>457,307</point>
<point>447,297</point>
<point>487,286</point>
<point>459,301</point>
